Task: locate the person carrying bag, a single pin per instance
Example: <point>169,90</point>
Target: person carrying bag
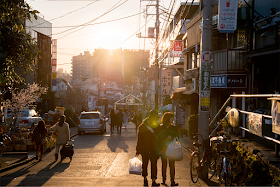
<point>166,136</point>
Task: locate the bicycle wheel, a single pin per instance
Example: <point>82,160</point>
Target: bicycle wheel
<point>194,166</point>
<point>211,166</point>
<point>224,171</point>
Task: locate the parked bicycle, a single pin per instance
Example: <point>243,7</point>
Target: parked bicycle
<point>196,164</point>
<point>222,162</point>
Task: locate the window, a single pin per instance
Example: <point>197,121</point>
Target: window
<point>90,116</point>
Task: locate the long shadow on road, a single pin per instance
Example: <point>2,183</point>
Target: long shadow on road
<point>117,142</point>
<point>45,174</point>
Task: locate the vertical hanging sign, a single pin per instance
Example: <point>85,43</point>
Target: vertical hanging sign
<point>227,17</point>
<point>166,78</point>
<point>54,62</point>
<point>205,81</point>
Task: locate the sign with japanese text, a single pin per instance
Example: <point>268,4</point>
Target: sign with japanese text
<point>205,81</point>
<point>54,61</point>
<point>165,81</point>
<point>178,47</point>
<point>180,116</point>
<point>227,17</point>
<point>228,81</point>
<point>275,113</point>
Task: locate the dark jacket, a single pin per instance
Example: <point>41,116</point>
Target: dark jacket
<point>146,140</point>
<point>166,136</point>
<point>137,120</point>
<point>120,118</point>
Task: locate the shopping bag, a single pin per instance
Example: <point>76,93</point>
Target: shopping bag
<point>44,142</point>
<point>174,150</point>
<point>135,166</point>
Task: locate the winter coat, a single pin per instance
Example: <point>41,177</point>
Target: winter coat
<point>63,133</point>
<point>146,140</point>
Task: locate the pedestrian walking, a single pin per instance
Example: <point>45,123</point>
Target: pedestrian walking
<point>39,135</point>
<point>119,121</point>
<point>62,131</point>
<point>167,133</point>
<point>147,146</point>
<point>125,118</point>
<point>112,120</point>
<point>137,119</point>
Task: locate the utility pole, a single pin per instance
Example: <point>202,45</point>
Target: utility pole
<point>204,91</point>
<point>156,58</point>
<point>156,64</point>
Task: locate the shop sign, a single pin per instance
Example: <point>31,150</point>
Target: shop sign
<point>180,116</point>
<point>130,100</point>
<point>229,81</point>
<point>177,49</point>
<point>165,81</point>
<point>227,17</point>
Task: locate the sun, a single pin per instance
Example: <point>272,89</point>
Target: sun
<point>109,39</point>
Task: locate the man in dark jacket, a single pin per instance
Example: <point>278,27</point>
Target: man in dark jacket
<point>147,147</point>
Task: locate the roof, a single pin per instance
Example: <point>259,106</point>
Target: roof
<point>129,100</point>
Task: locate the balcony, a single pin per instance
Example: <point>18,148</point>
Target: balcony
<point>228,61</point>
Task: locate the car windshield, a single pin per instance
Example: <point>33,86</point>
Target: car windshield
<point>22,113</point>
<point>90,116</point>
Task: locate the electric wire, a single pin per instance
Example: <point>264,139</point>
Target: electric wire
<point>67,13</point>
<point>86,24</point>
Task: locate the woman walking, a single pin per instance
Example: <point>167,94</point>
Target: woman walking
<point>112,120</point>
<point>167,133</point>
<point>39,135</point>
<point>125,118</point>
<point>63,134</point>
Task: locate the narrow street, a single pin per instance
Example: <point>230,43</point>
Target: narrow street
<point>99,160</point>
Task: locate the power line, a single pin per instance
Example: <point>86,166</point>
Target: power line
<point>86,24</point>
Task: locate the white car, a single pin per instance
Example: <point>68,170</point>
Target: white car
<point>25,117</point>
<point>92,121</point>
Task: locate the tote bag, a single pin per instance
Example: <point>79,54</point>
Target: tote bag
<point>174,151</point>
<point>135,166</point>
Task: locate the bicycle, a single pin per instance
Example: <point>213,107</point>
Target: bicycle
<point>196,164</point>
<point>223,165</point>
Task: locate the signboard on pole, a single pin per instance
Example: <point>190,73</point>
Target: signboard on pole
<point>178,47</point>
<point>205,81</point>
<point>166,78</point>
<point>227,17</point>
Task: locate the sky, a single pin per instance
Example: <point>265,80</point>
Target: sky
<point>85,25</point>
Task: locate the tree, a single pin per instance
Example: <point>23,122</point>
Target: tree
<point>24,98</point>
<point>17,48</point>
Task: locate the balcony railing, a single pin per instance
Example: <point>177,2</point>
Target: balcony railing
<point>228,61</point>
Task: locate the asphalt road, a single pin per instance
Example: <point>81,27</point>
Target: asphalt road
<point>99,160</point>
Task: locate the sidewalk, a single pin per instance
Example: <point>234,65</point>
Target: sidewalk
<point>10,160</point>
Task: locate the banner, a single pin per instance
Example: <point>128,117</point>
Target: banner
<point>255,123</point>
<point>178,47</point>
<point>275,113</point>
<point>227,17</point>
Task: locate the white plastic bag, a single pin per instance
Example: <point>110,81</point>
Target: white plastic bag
<point>135,166</point>
<point>174,151</point>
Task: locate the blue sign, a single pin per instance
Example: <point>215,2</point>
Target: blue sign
<point>218,81</point>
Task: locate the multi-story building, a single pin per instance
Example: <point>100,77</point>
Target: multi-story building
<point>41,30</point>
<point>82,66</point>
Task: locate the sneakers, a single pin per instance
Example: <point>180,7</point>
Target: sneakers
<point>146,182</point>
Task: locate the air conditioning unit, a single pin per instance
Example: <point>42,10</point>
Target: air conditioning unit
<point>193,84</point>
